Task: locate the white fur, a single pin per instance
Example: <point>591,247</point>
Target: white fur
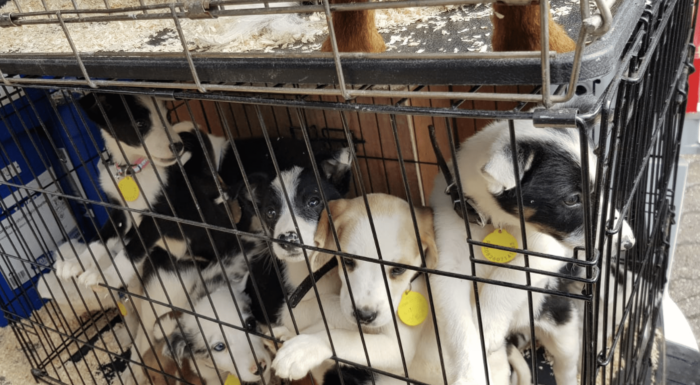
<point>244,361</point>
<point>66,293</point>
<point>485,171</point>
<point>311,350</point>
<point>185,290</point>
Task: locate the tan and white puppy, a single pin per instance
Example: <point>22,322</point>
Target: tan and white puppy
<point>374,308</point>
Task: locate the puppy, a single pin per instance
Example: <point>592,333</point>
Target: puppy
<point>225,348</point>
<point>149,150</point>
<point>181,284</point>
<point>373,308</point>
<point>298,179</point>
<point>549,164</point>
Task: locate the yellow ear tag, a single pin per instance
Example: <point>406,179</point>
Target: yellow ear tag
<point>413,308</point>
<point>232,380</point>
<point>122,308</point>
<point>499,238</point>
<point>129,189</point>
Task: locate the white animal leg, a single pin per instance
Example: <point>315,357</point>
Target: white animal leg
<point>121,264</point>
<point>498,364</point>
<point>459,333</point>
<point>564,346</point>
<point>71,267</point>
<point>305,352</point>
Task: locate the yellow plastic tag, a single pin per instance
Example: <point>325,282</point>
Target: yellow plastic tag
<point>232,380</point>
<point>499,238</point>
<point>129,189</point>
<point>413,308</point>
<point>122,308</point>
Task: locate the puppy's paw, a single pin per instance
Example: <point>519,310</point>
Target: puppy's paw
<point>90,278</point>
<point>69,268</point>
<point>300,355</point>
<point>282,334</point>
<point>93,279</point>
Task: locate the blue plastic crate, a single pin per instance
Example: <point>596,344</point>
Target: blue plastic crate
<point>19,114</point>
<point>30,230</point>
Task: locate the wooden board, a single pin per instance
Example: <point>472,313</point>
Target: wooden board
<point>377,150</point>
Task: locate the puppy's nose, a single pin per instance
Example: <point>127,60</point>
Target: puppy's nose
<point>365,316</point>
<point>627,244</point>
<point>259,368</point>
<point>291,237</point>
<point>177,148</point>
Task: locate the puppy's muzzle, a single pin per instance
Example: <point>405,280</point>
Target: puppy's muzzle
<point>365,316</point>
<point>177,148</point>
<point>290,237</point>
<point>627,243</point>
<point>259,368</point>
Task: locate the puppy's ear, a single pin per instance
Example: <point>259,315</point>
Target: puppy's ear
<point>89,104</point>
<point>499,171</point>
<point>168,323</point>
<point>257,183</point>
<point>424,216</point>
<point>324,233</point>
<point>337,170</point>
<point>176,347</point>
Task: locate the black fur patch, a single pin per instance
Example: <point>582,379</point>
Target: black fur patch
<point>269,286</point>
<point>351,376</point>
<point>557,308</point>
<point>118,115</point>
<point>553,176</point>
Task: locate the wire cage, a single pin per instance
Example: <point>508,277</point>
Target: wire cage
<point>121,265</point>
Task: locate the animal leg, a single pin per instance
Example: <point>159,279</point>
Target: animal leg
<point>355,31</point>
<point>517,28</point>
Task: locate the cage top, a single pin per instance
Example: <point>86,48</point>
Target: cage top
<point>434,67</point>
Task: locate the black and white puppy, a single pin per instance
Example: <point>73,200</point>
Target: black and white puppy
<point>298,178</point>
<point>145,149</point>
<point>195,286</point>
<point>549,165</point>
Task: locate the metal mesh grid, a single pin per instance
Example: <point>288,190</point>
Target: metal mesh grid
<point>595,20</point>
<point>635,128</point>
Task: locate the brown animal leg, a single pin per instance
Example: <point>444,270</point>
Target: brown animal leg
<point>519,30</point>
<point>355,31</point>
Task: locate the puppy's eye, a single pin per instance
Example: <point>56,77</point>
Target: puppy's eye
<point>349,263</point>
<point>250,323</point>
<point>141,123</point>
<point>396,271</point>
<point>572,200</point>
<point>219,347</point>
<point>271,213</point>
<point>313,202</point>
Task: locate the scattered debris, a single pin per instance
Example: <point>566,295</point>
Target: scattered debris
<point>252,33</point>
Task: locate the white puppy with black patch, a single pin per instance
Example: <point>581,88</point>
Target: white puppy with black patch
<point>550,176</point>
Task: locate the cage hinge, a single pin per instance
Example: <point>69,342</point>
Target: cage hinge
<point>6,20</point>
<point>198,9</point>
<point>558,118</point>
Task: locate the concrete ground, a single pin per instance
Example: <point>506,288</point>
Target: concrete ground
<point>684,288</point>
